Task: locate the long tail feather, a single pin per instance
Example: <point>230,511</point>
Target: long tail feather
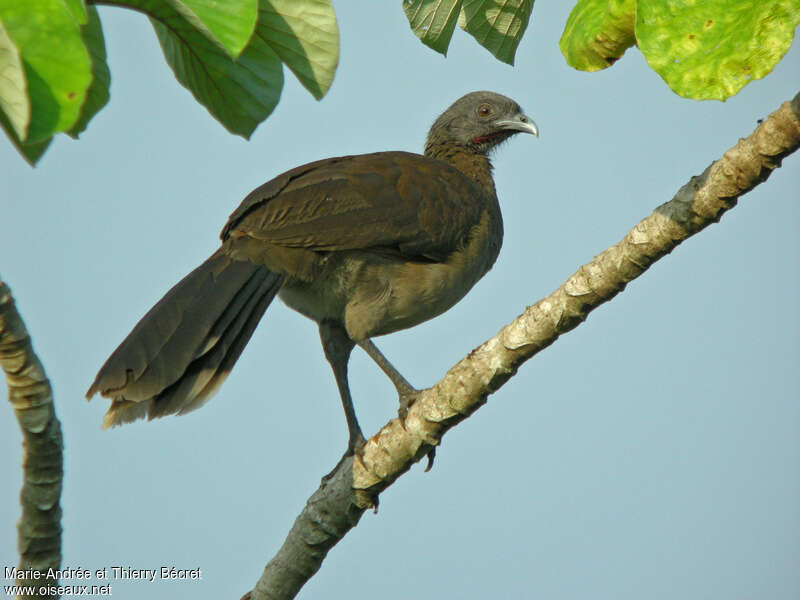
<point>182,350</point>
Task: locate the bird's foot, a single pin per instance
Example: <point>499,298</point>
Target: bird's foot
<point>355,446</point>
<point>407,398</point>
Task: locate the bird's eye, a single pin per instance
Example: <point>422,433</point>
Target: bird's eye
<point>484,110</point>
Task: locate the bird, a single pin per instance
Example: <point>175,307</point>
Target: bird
<point>364,245</point>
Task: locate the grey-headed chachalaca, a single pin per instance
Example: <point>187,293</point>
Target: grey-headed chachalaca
<point>364,245</point>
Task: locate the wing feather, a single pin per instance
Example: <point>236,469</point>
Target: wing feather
<point>393,200</point>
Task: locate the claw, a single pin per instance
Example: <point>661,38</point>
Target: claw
<point>431,456</point>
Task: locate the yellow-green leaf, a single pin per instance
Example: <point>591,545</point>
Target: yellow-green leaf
<point>57,64</point>
<point>306,37</point>
<point>78,10</point>
<point>712,49</point>
<point>98,93</point>
<point>230,23</point>
<point>597,33</point>
<point>14,100</point>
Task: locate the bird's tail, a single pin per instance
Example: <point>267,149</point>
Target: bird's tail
<point>182,350</point>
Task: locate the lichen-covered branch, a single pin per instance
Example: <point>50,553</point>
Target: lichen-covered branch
<point>39,537</point>
<point>339,502</point>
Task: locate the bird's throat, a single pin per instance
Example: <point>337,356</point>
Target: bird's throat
<point>474,165</point>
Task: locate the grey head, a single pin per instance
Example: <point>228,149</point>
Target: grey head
<point>479,121</point>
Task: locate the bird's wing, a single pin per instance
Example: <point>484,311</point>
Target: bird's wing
<point>404,202</point>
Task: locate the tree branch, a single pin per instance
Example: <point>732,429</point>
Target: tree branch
<point>39,529</point>
<point>341,499</point>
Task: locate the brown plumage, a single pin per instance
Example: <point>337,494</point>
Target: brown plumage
<point>364,245</point>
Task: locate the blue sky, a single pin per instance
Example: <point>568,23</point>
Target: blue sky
<point>652,452</point>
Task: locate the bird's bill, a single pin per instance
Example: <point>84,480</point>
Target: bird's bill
<point>522,123</point>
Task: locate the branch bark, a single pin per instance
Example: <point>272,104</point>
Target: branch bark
<point>30,394</point>
<point>340,501</point>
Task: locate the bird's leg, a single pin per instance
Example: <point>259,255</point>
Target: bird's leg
<point>337,346</point>
<point>405,390</point>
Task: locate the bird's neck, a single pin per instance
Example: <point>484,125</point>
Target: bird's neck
<point>476,166</point>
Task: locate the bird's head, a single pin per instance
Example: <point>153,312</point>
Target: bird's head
<point>479,121</point>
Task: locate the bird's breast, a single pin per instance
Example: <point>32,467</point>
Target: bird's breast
<point>400,294</point>
<point>373,292</point>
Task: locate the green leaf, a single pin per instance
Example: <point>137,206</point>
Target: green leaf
<point>239,94</point>
<point>31,151</point>
<point>14,100</point>
<point>57,64</point>
<point>712,49</point>
<point>433,21</point>
<point>78,10</point>
<point>305,36</point>
<point>498,25</point>
<point>597,33</point>
<point>230,23</point>
<point>97,94</point>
